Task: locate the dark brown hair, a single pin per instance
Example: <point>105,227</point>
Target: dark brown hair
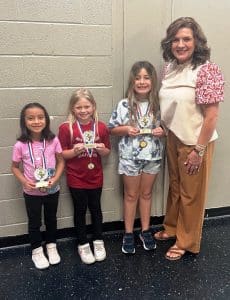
<point>201,52</point>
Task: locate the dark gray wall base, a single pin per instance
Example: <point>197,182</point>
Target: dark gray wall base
<point>109,227</point>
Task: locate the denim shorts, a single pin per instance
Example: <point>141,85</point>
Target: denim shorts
<point>131,167</point>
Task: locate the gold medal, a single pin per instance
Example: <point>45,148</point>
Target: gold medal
<point>143,144</point>
<point>43,189</point>
<point>91,166</point>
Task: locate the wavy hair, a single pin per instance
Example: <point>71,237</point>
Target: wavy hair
<point>153,94</point>
<point>201,52</point>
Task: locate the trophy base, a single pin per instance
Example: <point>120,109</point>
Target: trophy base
<point>145,131</point>
<point>90,146</point>
<point>41,184</point>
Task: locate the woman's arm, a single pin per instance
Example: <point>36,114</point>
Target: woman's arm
<point>210,113</point>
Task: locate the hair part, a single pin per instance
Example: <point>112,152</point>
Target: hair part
<point>201,52</point>
<point>75,97</point>
<point>25,135</point>
<point>153,94</point>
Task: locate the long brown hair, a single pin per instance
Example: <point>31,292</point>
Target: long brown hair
<point>153,94</point>
<point>201,52</point>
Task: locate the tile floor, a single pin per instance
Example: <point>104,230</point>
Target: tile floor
<point>145,275</point>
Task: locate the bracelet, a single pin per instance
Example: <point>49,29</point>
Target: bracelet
<point>200,147</point>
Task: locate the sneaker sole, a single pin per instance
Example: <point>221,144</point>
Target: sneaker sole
<point>147,249</point>
<point>126,252</point>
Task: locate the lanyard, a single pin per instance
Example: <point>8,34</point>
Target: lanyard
<point>139,112</point>
<point>32,154</point>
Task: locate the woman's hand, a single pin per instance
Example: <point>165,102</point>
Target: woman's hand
<point>193,163</point>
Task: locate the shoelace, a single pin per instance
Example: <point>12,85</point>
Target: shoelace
<point>86,250</point>
<point>39,255</point>
<point>147,236</point>
<point>98,247</point>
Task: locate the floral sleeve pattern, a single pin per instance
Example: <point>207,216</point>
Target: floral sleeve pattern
<point>209,85</point>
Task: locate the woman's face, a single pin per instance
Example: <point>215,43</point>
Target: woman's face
<point>183,45</point>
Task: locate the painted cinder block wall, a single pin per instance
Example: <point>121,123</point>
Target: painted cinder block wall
<point>49,48</point>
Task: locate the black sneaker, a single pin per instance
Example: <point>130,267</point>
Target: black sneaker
<point>147,240</point>
<point>128,244</point>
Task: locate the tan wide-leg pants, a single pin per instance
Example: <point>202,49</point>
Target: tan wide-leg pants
<point>187,195</point>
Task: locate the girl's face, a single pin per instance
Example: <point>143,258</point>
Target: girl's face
<point>83,110</point>
<point>183,45</point>
<point>35,121</point>
<point>142,84</point>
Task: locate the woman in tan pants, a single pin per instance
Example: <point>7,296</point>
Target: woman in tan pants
<point>191,90</point>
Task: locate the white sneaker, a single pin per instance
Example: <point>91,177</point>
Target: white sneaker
<point>99,250</point>
<point>39,259</point>
<point>86,254</point>
<point>54,257</point>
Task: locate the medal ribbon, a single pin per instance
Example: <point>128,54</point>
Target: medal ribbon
<point>89,151</point>
<point>139,112</point>
<point>32,154</point>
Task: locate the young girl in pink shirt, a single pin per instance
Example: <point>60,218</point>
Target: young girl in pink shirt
<point>39,152</point>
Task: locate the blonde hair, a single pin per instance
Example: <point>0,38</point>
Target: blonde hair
<point>153,94</point>
<point>75,97</point>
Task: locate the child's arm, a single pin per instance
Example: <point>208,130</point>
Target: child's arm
<point>102,150</point>
<point>29,185</point>
<point>75,151</point>
<point>158,132</point>
<point>124,130</point>
<point>60,164</point>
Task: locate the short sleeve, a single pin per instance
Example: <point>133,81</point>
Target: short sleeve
<point>209,84</point>
<point>58,148</point>
<point>120,115</point>
<point>17,152</point>
<point>64,136</point>
<point>104,135</point>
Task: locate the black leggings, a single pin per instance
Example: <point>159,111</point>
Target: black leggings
<point>83,199</point>
<point>34,210</point>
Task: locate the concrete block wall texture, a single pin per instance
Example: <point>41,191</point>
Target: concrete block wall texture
<point>49,48</point>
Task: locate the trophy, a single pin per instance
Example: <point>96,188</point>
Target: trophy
<point>41,175</point>
<point>144,123</point>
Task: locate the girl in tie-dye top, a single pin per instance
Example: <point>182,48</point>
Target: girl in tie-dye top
<point>136,120</point>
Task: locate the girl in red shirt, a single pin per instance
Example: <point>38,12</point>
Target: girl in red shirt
<point>85,140</point>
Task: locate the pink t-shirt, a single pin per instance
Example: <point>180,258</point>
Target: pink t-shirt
<point>21,153</point>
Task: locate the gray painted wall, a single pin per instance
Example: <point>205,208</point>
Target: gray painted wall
<point>49,48</point>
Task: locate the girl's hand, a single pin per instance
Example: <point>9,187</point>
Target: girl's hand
<point>99,146</point>
<point>29,185</point>
<point>193,163</point>
<point>52,181</point>
<point>78,148</point>
<point>101,149</point>
<point>158,132</point>
<point>133,131</point>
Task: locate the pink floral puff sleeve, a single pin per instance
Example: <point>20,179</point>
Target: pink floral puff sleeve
<point>209,85</point>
